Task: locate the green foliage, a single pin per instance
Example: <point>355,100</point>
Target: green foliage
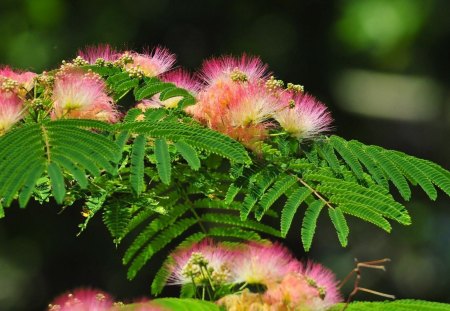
<point>178,304</point>
<point>396,305</point>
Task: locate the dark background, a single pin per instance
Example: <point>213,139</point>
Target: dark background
<point>382,66</point>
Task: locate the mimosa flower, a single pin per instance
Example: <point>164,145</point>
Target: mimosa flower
<point>104,52</point>
<point>10,110</point>
<point>181,79</point>
<point>228,68</point>
<point>81,95</point>
<point>24,79</point>
<point>297,292</point>
<point>200,263</point>
<point>324,280</point>
<point>264,264</point>
<point>304,117</point>
<point>153,63</point>
<point>241,111</point>
<point>82,300</point>
<point>244,301</point>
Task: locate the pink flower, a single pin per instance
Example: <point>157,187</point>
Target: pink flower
<point>201,261</point>
<point>101,51</point>
<point>292,293</point>
<point>323,279</point>
<point>24,79</point>
<point>153,63</point>
<point>264,264</point>
<point>181,79</point>
<point>81,95</point>
<point>303,116</point>
<point>11,110</point>
<point>82,300</point>
<point>239,110</point>
<point>228,68</point>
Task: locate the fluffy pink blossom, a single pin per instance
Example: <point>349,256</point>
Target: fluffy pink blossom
<point>181,79</point>
<point>239,110</point>
<point>228,68</point>
<point>323,279</point>
<point>10,110</point>
<point>264,264</point>
<point>153,63</point>
<point>81,95</point>
<point>217,257</point>
<point>24,79</point>
<point>102,51</point>
<point>82,300</point>
<point>303,116</point>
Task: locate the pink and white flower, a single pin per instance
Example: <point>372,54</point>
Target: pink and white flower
<point>102,51</point>
<point>11,110</point>
<point>24,79</point>
<point>82,300</point>
<point>81,95</point>
<point>153,63</point>
<point>228,68</point>
<point>303,116</point>
<point>186,263</point>
<point>323,279</point>
<point>264,264</point>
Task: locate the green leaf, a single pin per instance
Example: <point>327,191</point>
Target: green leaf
<point>151,89</point>
<point>28,187</point>
<point>116,218</point>
<point>232,191</point>
<point>391,170</point>
<point>173,92</point>
<point>137,164</point>
<point>186,304</point>
<point>290,208</point>
<point>310,222</point>
<point>57,181</point>
<point>189,154</point>
<point>163,160</point>
<point>396,305</point>
<point>275,192</point>
<point>347,154</point>
<point>163,238</point>
<point>339,222</point>
<point>2,211</point>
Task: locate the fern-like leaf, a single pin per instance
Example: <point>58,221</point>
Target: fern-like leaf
<point>163,160</point>
<point>57,182</point>
<point>347,154</point>
<point>391,170</point>
<point>340,224</point>
<point>275,192</point>
<point>290,208</point>
<point>151,89</point>
<point>189,154</point>
<point>137,164</point>
<point>116,218</point>
<point>163,238</point>
<point>310,222</point>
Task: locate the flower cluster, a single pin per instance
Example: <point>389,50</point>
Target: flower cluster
<point>13,87</point>
<point>235,96</point>
<point>240,98</point>
<point>95,300</point>
<point>286,283</point>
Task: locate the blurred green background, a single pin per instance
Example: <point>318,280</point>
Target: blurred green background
<point>382,66</point>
